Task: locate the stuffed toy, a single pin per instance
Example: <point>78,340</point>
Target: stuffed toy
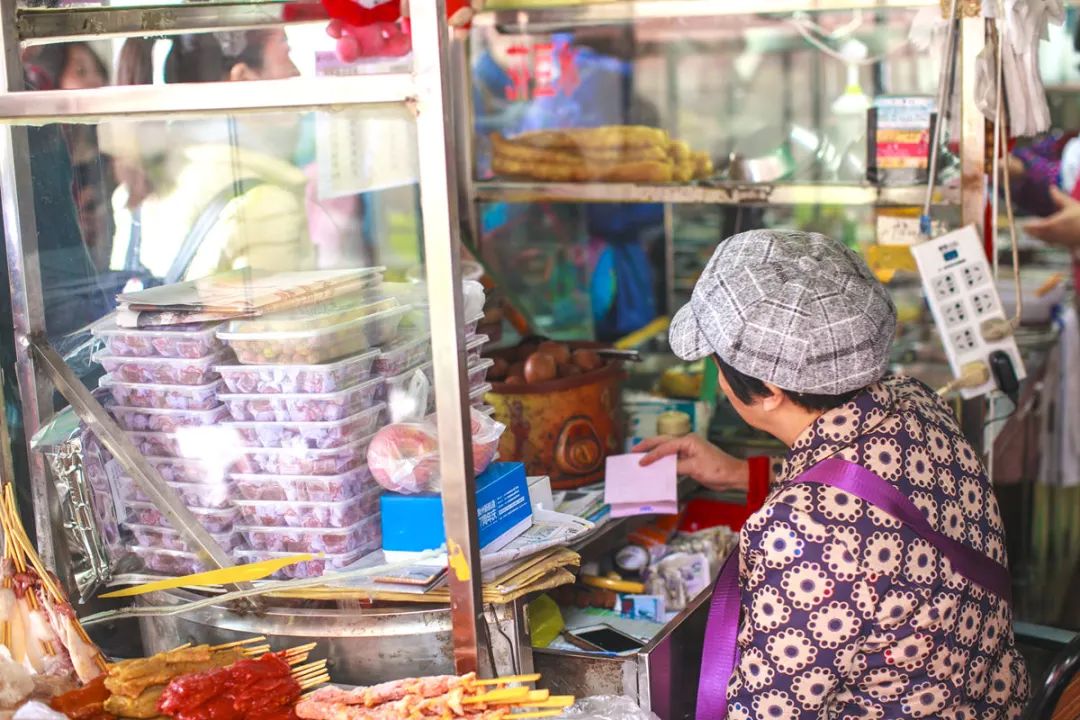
<point>380,28</point>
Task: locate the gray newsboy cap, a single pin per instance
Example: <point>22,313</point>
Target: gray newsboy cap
<point>794,309</point>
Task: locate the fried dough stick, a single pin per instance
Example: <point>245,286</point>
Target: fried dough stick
<point>513,150</point>
<point>627,172</point>
<point>584,139</point>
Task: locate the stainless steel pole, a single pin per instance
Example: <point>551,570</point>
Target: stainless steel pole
<point>439,201</point>
<point>24,279</point>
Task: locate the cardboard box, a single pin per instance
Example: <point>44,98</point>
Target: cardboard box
<point>414,523</point>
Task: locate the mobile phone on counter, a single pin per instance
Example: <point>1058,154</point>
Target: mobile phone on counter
<point>603,638</point>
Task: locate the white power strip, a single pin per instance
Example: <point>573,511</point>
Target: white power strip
<point>962,295</point>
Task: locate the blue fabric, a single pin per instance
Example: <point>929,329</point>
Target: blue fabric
<point>633,304</point>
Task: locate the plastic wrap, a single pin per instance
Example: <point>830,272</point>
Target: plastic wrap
<point>306,407</point>
<point>301,488</point>
<point>365,535</point>
<point>312,434</point>
<point>191,341</point>
<point>311,347</point>
<point>163,397</point>
<point>163,371</point>
<point>608,707</point>
<point>404,457</point>
<point>327,378</point>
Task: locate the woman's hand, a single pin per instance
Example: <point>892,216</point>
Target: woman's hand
<point>699,460</point>
<point>1063,227</point>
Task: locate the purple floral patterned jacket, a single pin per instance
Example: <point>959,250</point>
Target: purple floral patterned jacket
<point>846,613</point>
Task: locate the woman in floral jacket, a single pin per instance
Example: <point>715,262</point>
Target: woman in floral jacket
<point>847,611</point>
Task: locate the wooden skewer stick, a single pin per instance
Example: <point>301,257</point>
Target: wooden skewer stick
<point>510,679</point>
<point>314,682</point>
<point>301,649</point>
<point>238,643</point>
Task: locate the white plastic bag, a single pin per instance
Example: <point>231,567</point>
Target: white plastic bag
<point>608,707</point>
<point>404,457</point>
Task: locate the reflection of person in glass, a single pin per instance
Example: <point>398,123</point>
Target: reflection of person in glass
<point>224,193</point>
<point>75,66</point>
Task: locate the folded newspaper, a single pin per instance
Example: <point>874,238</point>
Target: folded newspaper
<point>550,529</point>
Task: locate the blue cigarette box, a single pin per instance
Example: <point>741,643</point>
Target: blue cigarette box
<point>414,523</point>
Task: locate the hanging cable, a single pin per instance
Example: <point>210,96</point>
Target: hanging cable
<point>947,70</point>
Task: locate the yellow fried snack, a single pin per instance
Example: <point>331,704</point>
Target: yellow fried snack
<point>684,171</point>
<point>645,171</point>
<point>526,153</point>
<point>703,165</point>
<point>679,151</point>
<point>634,172</point>
<point>585,139</point>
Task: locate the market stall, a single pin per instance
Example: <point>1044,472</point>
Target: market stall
<point>399,450</point>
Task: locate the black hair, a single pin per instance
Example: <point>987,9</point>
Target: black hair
<point>52,59</point>
<point>748,389</point>
<point>194,58</point>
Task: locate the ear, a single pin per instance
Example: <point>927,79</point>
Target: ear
<point>774,400</point>
<point>242,72</point>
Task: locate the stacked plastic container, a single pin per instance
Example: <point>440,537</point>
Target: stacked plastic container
<point>262,426</point>
<point>162,382</point>
<point>304,402</point>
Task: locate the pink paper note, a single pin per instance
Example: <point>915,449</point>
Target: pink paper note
<point>631,489</point>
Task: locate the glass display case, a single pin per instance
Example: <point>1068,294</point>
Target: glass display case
<point>224,261</point>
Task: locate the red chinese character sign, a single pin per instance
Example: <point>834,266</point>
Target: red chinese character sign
<point>541,71</point>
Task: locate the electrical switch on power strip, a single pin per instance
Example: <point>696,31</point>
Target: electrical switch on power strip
<point>964,301</point>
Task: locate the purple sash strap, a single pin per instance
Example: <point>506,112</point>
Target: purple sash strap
<point>720,652</point>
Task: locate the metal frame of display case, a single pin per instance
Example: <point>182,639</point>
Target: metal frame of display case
<point>41,370</point>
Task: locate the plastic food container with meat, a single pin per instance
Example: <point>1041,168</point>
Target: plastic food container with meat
<point>305,407</point>
<point>167,421</point>
<point>342,514</point>
<point>303,461</point>
<point>331,434</point>
<point>162,371</point>
<point>163,397</point>
<point>365,535</point>
<point>169,539</point>
<point>169,562</point>
<point>320,345</point>
<point>185,470</point>
<point>215,521</point>
<point>328,313</point>
<point>194,495</point>
<point>194,340</point>
<point>302,570</point>
<point>248,379</point>
<point>402,355</point>
<point>304,488</point>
